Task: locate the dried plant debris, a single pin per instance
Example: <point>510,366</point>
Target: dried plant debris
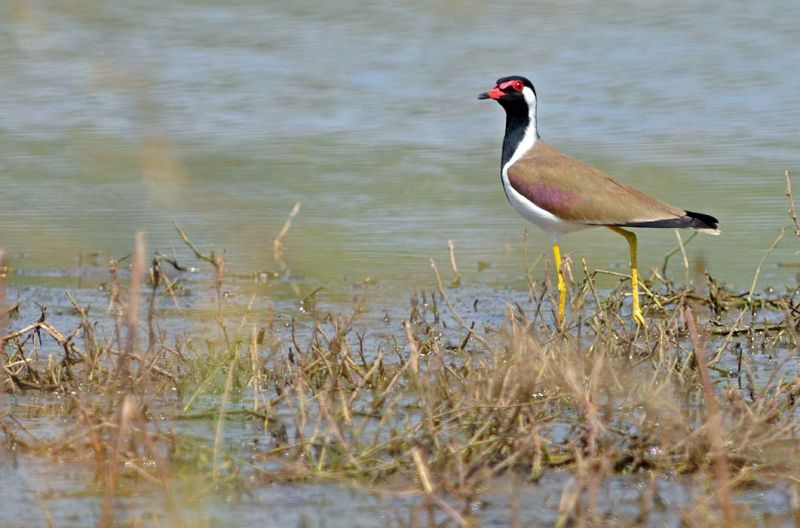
<point>467,397</point>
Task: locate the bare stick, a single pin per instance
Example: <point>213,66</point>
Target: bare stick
<point>790,197</point>
<point>60,338</point>
<point>277,244</point>
<point>211,259</point>
<point>456,275</point>
<point>683,254</point>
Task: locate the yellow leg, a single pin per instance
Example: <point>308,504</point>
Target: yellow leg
<point>631,238</point>
<point>562,285</point>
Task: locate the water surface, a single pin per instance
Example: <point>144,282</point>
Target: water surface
<point>122,116</point>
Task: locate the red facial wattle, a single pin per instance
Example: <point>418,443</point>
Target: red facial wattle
<point>500,90</point>
<point>514,85</point>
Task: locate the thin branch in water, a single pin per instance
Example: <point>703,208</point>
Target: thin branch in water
<point>680,247</point>
<point>277,243</point>
<point>456,281</point>
<point>683,255</point>
<point>211,258</point>
<point>790,197</point>
<point>218,261</point>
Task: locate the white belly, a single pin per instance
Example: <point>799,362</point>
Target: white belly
<point>544,220</point>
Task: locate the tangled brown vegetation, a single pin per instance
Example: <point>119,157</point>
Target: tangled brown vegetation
<point>438,412</point>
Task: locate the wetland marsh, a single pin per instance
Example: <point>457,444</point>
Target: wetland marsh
<point>210,377</point>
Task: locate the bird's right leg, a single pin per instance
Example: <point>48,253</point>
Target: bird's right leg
<point>562,284</point>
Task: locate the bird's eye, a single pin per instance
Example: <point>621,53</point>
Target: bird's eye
<point>518,86</point>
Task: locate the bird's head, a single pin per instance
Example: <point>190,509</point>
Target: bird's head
<point>514,93</point>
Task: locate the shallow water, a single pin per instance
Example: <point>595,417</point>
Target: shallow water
<point>66,489</point>
<point>119,117</point>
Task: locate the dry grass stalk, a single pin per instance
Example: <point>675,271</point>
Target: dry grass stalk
<point>713,425</point>
<point>223,402</point>
<point>132,313</point>
<point>124,417</point>
<point>453,311</point>
<point>422,470</point>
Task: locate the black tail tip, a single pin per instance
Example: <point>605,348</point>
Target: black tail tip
<point>702,221</point>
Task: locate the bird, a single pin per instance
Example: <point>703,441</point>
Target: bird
<point>561,194</point>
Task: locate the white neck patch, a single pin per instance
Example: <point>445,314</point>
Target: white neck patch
<point>531,133</point>
<point>530,98</point>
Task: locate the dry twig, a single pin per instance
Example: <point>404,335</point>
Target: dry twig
<point>277,243</point>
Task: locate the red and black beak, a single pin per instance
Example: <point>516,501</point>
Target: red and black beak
<point>495,93</point>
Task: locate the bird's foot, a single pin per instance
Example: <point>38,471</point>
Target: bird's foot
<point>638,317</point>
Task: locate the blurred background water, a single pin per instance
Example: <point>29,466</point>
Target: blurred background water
<point>117,116</point>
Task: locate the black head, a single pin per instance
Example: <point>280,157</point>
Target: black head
<point>518,98</point>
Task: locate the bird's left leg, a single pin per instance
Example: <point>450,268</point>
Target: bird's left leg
<point>631,238</point>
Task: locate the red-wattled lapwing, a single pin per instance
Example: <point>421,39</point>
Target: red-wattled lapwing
<point>561,194</point>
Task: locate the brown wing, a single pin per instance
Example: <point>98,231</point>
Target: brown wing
<point>577,192</point>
